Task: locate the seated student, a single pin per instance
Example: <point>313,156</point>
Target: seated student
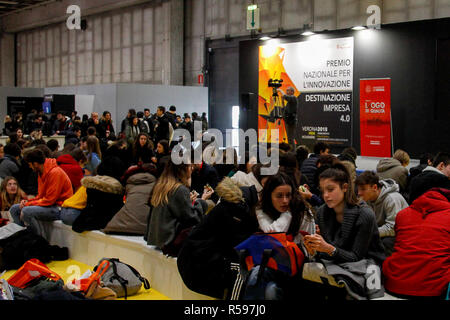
<point>253,178</point>
<point>204,174</point>
<point>395,168</point>
<point>311,191</point>
<point>208,259</point>
<point>10,193</point>
<point>72,207</point>
<point>174,208</point>
<point>349,154</point>
<point>73,164</point>
<point>10,166</point>
<point>420,263</point>
<point>228,168</point>
<point>93,155</point>
<point>301,154</point>
<point>348,229</point>
<point>162,155</point>
<point>435,176</point>
<point>309,166</point>
<point>54,187</point>
<point>426,160</point>
<point>384,198</point>
<point>282,209</point>
<point>346,232</point>
<point>288,164</point>
<point>115,161</point>
<point>2,151</point>
<point>142,149</point>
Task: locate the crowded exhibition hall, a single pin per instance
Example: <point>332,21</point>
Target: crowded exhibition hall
<point>223,155</point>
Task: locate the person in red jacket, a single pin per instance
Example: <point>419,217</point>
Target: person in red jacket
<point>54,187</point>
<point>420,263</point>
<point>73,164</point>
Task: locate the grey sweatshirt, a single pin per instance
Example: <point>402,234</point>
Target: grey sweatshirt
<point>386,207</point>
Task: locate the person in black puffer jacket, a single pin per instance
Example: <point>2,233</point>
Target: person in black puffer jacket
<point>104,200</point>
<point>205,259</point>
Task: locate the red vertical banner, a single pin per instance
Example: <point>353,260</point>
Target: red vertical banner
<point>375,117</point>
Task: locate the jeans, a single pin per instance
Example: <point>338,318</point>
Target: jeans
<point>69,215</point>
<point>290,131</point>
<point>32,215</point>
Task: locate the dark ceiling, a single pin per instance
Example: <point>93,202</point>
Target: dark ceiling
<point>11,6</point>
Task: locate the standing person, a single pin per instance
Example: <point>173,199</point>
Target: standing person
<point>54,187</point>
<point>127,121</point>
<point>132,130</point>
<point>106,124</point>
<point>385,200</point>
<point>204,122</point>
<point>143,124</point>
<point>148,118</point>
<point>94,121</point>
<point>174,208</point>
<point>94,155</point>
<point>162,128</point>
<point>290,114</point>
<point>188,125</point>
<point>172,116</point>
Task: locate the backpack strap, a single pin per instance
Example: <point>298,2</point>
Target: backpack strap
<point>121,280</point>
<point>137,274</point>
<point>267,253</point>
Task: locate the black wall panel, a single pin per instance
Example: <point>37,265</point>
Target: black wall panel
<point>414,56</point>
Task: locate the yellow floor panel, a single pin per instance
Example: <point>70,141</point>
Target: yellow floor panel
<point>71,269</point>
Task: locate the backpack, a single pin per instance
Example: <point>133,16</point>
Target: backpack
<point>122,278</point>
<point>267,261</point>
<point>285,255</point>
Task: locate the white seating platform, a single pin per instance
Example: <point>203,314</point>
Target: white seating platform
<point>91,246</point>
<point>161,271</point>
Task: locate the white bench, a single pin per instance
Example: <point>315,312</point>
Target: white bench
<point>90,246</point>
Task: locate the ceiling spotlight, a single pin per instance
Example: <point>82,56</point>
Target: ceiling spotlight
<point>359,28</point>
<point>307,30</point>
<point>307,33</point>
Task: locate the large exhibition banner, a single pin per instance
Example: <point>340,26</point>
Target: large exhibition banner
<point>375,117</point>
<point>321,72</point>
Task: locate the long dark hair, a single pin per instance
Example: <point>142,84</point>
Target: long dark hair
<point>339,174</point>
<point>137,145</point>
<point>297,205</point>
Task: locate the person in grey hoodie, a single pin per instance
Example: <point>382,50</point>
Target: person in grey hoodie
<point>384,198</point>
<point>395,168</point>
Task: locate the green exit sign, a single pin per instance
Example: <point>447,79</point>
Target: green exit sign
<point>252,17</point>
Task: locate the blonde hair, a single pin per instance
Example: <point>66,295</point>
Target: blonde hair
<point>170,180</point>
<point>402,156</point>
<point>93,145</point>
<point>6,201</point>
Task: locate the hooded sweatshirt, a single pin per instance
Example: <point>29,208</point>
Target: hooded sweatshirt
<point>386,207</point>
<point>390,168</point>
<point>54,186</point>
<point>72,169</point>
<point>420,263</point>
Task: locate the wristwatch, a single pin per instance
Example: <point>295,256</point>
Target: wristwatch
<point>333,253</point>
